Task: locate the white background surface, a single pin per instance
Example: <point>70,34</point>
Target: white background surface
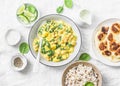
<point>50,76</point>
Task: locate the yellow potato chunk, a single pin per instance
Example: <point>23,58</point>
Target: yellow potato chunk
<point>59,40</point>
<point>63,52</point>
<point>65,56</point>
<point>56,60</point>
<point>71,49</point>
<point>45,34</point>
<point>73,43</point>
<point>46,48</point>
<point>35,44</point>
<point>53,47</point>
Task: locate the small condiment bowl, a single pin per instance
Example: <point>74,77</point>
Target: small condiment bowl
<point>29,24</point>
<point>15,38</point>
<point>85,17</point>
<point>18,67</point>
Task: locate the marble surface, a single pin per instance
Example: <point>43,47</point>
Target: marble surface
<point>51,76</point>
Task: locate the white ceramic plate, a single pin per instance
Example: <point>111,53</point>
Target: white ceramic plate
<point>99,57</point>
<point>33,34</point>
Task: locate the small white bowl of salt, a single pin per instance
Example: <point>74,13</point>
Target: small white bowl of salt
<point>12,37</point>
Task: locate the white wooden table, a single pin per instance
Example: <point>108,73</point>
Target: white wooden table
<point>51,76</point>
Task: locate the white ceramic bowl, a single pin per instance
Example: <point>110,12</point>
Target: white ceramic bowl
<point>33,34</point>
<point>84,63</point>
<point>24,60</point>
<point>15,38</point>
<point>30,24</point>
<point>99,57</point>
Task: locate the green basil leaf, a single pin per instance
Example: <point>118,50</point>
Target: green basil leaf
<point>59,9</point>
<point>89,84</point>
<point>24,48</point>
<point>43,50</point>
<point>50,53</point>
<point>60,26</point>
<point>68,3</point>
<point>84,57</point>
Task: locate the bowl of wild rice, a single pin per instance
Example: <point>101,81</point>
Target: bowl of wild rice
<point>81,74</point>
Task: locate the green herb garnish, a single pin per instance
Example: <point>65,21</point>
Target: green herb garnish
<point>47,44</point>
<point>68,3</point>
<point>60,57</point>
<point>24,48</point>
<point>89,84</point>
<point>43,50</point>
<point>59,9</point>
<point>50,53</point>
<point>85,57</point>
<point>60,26</point>
<point>69,45</point>
<point>57,46</point>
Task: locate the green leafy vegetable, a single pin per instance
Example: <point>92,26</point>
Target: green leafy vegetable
<point>47,44</point>
<point>57,46</point>
<point>89,84</point>
<point>60,26</point>
<point>68,3</point>
<point>60,57</point>
<point>85,57</point>
<point>40,29</point>
<point>69,45</point>
<point>59,9</point>
<point>50,53</point>
<point>43,50</point>
<point>48,21</point>
<point>24,48</point>
<point>43,42</point>
<point>60,38</point>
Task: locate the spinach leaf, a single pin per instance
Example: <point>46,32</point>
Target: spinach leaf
<point>60,57</point>
<point>69,45</point>
<point>57,46</point>
<point>60,38</point>
<point>24,48</point>
<point>89,84</point>
<point>43,50</point>
<point>59,9</point>
<point>60,26</point>
<point>48,21</point>
<point>52,40</point>
<point>47,44</point>
<point>43,42</point>
<point>68,31</point>
<point>84,57</point>
<point>68,3</point>
<point>40,29</point>
<point>50,53</point>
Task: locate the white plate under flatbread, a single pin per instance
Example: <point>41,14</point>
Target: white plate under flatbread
<point>107,42</point>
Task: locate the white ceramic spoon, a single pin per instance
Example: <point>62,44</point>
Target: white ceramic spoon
<point>36,65</point>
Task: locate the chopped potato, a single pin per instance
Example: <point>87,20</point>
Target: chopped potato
<point>58,41</point>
